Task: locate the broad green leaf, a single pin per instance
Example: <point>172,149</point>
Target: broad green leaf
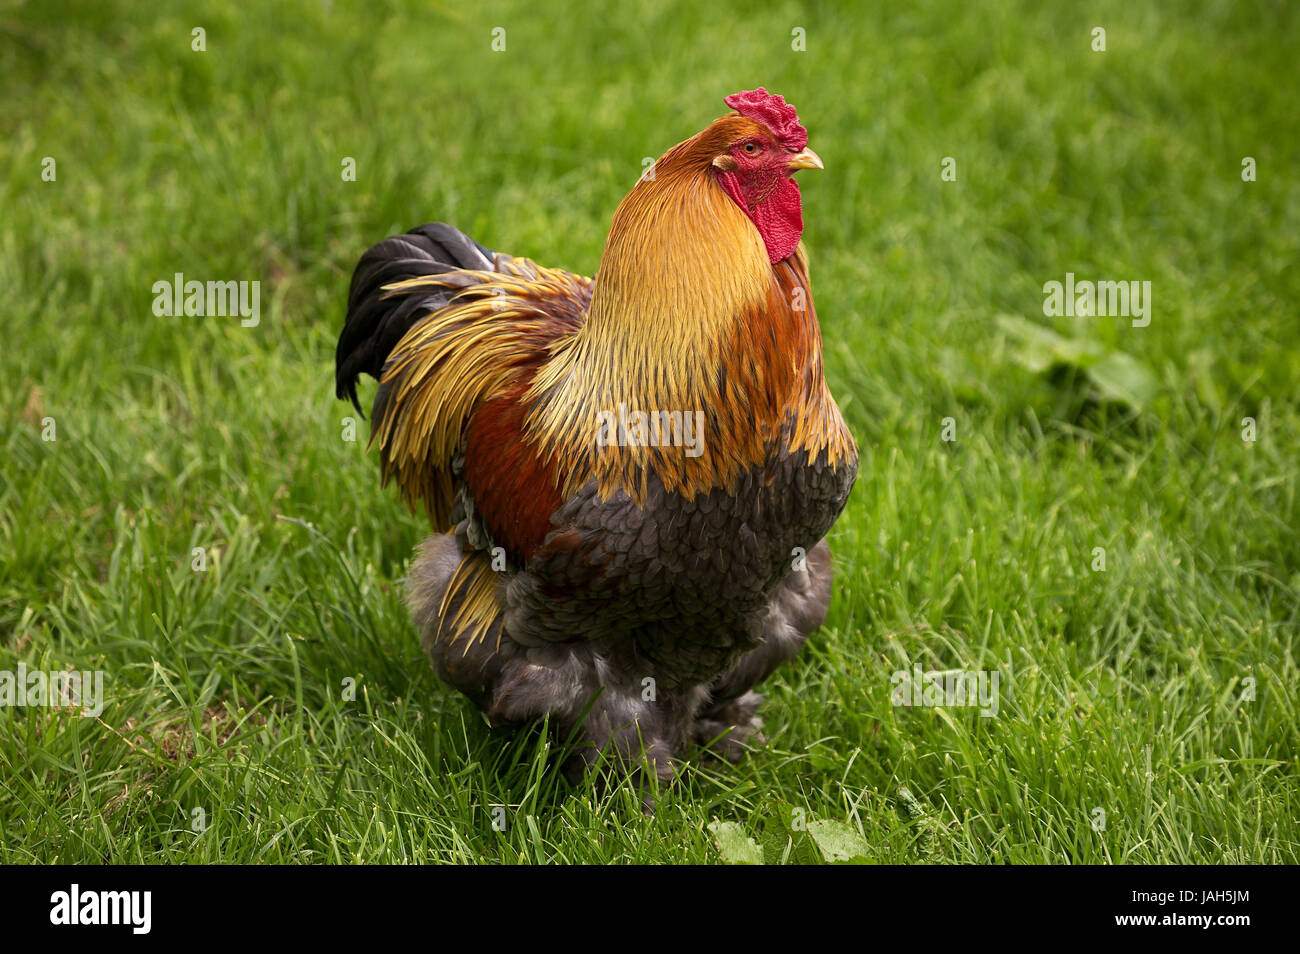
<point>1115,375</point>
<point>736,847</point>
<point>839,843</point>
<point>1121,377</point>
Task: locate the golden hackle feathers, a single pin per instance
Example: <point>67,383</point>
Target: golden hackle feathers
<point>687,314</point>
<point>469,606</point>
<point>459,357</point>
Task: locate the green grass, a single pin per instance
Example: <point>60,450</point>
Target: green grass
<point>1123,690</point>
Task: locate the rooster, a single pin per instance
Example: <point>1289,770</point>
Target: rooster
<point>631,477</point>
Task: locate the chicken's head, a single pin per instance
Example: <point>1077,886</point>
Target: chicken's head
<point>765,145</point>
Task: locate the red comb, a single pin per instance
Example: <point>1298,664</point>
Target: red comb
<point>772,111</point>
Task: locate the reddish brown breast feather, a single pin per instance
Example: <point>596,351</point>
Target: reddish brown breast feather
<point>772,111</point>
<point>513,489</point>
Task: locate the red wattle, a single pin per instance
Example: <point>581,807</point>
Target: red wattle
<point>778,218</point>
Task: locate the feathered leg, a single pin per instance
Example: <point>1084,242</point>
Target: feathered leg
<point>595,695</point>
<point>586,693</point>
<point>730,720</point>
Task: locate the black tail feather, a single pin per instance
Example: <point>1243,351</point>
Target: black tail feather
<point>377,320</point>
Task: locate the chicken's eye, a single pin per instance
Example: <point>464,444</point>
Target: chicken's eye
<point>750,148</point>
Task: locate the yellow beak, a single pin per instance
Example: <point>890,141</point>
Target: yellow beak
<point>805,160</point>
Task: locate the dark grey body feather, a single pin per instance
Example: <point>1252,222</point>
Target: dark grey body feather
<point>667,615</point>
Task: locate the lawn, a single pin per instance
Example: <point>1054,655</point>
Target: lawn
<point>1101,510</point>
